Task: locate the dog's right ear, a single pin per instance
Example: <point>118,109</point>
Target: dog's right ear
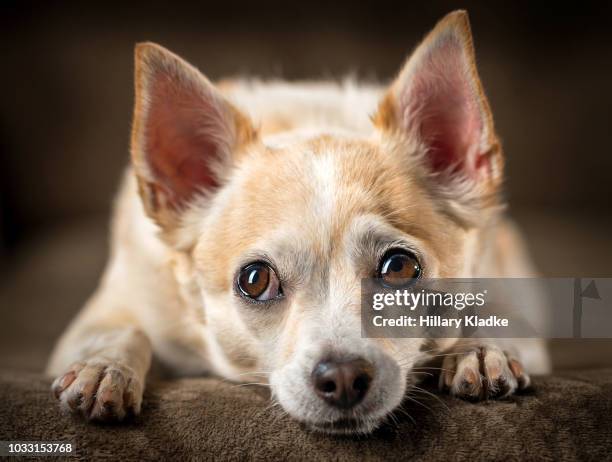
<point>185,135</point>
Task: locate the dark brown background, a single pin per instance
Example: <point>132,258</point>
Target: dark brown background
<point>66,104</point>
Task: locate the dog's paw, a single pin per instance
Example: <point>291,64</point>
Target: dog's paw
<point>99,390</point>
<point>482,373</point>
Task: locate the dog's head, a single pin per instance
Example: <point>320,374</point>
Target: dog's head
<point>279,231</point>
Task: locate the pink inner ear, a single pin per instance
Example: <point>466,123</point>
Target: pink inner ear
<point>179,147</point>
<point>441,105</point>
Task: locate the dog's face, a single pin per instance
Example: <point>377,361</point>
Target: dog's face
<point>281,277</point>
<point>280,230</point>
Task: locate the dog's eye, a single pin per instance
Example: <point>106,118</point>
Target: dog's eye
<point>259,282</point>
<point>398,268</point>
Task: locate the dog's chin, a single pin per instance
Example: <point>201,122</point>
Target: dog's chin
<point>346,426</point>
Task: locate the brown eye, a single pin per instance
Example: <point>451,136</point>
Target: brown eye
<point>399,268</point>
<point>259,282</point>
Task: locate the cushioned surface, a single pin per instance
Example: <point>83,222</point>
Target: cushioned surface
<point>566,417</point>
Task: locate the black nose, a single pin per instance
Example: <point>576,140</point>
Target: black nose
<point>342,384</point>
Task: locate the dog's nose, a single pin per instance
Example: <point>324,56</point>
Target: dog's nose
<point>342,384</point>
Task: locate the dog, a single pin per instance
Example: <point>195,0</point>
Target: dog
<point>252,210</point>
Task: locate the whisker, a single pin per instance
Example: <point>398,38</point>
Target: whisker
<point>443,369</point>
<point>428,393</point>
<point>406,413</point>
<point>455,353</point>
<point>255,373</point>
<point>251,383</point>
<point>411,373</point>
<point>416,401</point>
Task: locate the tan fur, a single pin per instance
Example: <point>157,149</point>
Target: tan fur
<point>309,178</point>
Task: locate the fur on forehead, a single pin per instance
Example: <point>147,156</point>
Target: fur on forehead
<point>274,180</point>
<point>382,175</point>
<point>312,194</point>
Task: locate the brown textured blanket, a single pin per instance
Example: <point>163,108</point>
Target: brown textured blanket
<point>566,417</point>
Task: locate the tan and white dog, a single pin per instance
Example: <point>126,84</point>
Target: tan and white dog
<point>250,214</point>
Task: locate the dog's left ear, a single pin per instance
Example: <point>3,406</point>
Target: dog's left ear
<point>438,100</point>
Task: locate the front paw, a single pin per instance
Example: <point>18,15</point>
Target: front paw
<point>99,390</point>
<point>482,372</point>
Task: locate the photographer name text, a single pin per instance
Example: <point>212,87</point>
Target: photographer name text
<point>440,321</point>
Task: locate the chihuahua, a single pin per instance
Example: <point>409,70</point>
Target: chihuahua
<point>251,212</point>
